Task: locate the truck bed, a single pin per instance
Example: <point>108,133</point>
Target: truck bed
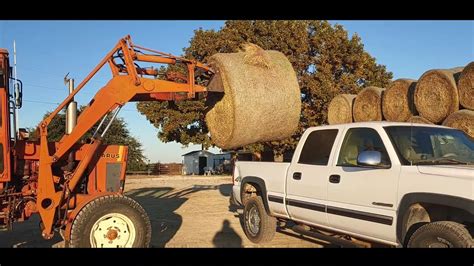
<point>275,171</point>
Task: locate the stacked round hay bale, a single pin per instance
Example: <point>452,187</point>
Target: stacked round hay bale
<point>261,101</point>
<point>397,101</point>
<point>463,120</point>
<point>418,120</point>
<point>440,96</point>
<point>436,94</point>
<point>368,105</point>
<point>466,87</point>
<point>340,109</point>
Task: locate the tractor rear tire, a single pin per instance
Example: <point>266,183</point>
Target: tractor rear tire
<point>111,221</point>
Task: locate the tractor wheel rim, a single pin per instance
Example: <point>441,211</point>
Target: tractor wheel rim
<point>113,230</point>
<point>253,221</point>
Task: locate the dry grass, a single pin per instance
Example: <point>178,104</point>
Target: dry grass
<point>261,101</point>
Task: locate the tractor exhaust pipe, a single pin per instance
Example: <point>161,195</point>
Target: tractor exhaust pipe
<point>71,121</point>
<point>71,114</point>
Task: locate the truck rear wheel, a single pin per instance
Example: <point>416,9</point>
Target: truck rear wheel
<point>443,234</point>
<point>259,227</point>
<point>111,221</point>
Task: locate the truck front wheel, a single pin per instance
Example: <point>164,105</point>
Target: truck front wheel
<point>259,227</point>
<point>444,234</point>
<point>111,221</point>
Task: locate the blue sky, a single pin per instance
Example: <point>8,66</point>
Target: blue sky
<point>47,50</point>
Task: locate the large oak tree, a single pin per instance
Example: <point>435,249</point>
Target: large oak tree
<point>326,59</point>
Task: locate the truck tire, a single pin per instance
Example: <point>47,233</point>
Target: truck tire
<point>259,227</point>
<point>111,221</point>
<point>441,234</point>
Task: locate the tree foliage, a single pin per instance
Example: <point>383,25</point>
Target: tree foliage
<point>118,134</point>
<point>326,59</point>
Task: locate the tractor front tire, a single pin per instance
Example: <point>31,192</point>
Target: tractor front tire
<point>111,221</point>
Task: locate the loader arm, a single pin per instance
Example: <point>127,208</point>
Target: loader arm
<point>129,83</point>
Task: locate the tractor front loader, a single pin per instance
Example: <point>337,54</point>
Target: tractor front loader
<point>76,186</point>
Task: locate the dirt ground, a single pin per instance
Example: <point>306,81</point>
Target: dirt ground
<point>185,211</point>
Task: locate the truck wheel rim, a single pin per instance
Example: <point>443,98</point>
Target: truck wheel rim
<point>253,221</point>
<point>113,230</point>
<point>440,243</point>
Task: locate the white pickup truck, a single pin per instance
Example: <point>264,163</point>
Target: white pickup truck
<point>402,184</point>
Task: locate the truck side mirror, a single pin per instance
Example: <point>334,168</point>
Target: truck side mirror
<point>18,95</point>
<point>370,159</point>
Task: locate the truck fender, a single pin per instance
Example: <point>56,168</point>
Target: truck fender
<point>412,199</point>
<point>261,185</point>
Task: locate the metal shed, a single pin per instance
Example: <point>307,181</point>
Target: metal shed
<point>196,162</point>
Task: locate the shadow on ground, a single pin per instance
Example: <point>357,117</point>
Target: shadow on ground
<point>227,237</point>
<point>27,234</point>
<point>283,228</point>
<point>160,204</point>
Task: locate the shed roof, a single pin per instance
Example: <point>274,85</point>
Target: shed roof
<point>193,152</point>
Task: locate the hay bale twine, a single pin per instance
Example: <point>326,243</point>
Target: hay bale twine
<point>368,105</point>
<point>463,120</point>
<point>397,100</point>
<point>466,87</point>
<point>340,109</point>
<point>436,94</point>
<point>261,101</point>
<point>418,120</point>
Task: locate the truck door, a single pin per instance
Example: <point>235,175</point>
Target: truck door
<point>4,117</point>
<point>306,185</point>
<point>362,200</point>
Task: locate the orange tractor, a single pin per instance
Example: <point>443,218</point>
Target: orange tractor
<point>77,188</point>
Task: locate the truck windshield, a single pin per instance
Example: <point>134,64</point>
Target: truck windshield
<point>431,145</point>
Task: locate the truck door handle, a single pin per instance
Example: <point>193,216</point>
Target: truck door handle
<point>297,175</point>
<point>334,178</point>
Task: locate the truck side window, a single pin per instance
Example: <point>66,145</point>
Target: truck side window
<point>358,140</point>
<point>317,147</point>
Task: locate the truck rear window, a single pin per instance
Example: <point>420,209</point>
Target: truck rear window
<point>318,146</point>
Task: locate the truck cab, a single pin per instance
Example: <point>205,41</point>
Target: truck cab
<point>379,181</point>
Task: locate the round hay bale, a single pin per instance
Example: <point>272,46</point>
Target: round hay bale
<point>261,101</point>
<point>340,109</point>
<point>368,105</point>
<point>418,120</point>
<point>466,87</point>
<point>436,94</point>
<point>397,100</point>
<point>462,120</point>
